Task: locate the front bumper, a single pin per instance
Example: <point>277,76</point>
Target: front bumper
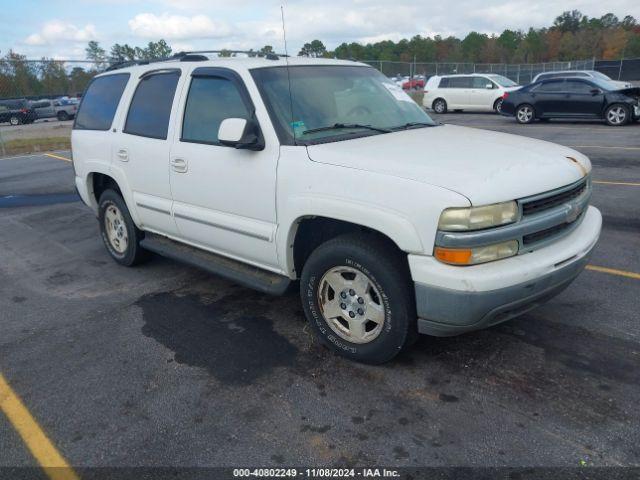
<point>451,300</point>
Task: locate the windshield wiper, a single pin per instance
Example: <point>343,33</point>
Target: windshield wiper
<point>342,126</point>
<point>408,125</point>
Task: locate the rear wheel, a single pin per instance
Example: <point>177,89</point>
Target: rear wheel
<point>439,105</point>
<point>525,114</point>
<point>62,116</point>
<point>119,233</point>
<point>358,296</point>
<point>497,106</point>
<point>616,115</point>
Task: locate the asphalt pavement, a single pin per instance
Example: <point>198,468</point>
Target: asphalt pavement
<point>164,365</point>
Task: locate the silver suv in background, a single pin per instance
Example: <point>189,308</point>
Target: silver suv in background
<point>588,74</point>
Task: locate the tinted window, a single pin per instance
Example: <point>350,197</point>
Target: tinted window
<point>460,82</point>
<point>444,83</point>
<point>100,101</point>
<point>552,86</point>
<point>151,105</point>
<point>210,101</point>
<point>576,86</point>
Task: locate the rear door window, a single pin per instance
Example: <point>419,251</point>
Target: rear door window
<point>100,102</point>
<point>551,86</point>
<point>150,107</point>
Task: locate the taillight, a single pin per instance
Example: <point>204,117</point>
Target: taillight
<point>505,95</point>
<point>426,91</point>
<point>23,110</point>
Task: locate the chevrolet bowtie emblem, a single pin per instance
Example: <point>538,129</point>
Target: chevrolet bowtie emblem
<point>579,165</point>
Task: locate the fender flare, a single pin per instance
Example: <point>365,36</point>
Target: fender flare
<point>390,223</point>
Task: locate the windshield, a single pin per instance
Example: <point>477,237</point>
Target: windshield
<point>601,76</point>
<point>332,102</point>
<point>607,84</point>
<point>503,81</point>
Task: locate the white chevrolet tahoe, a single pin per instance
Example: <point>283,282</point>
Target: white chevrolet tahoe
<point>325,172</point>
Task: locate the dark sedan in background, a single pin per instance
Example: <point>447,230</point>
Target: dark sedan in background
<point>573,98</point>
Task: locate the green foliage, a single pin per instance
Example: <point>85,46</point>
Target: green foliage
<point>572,36</point>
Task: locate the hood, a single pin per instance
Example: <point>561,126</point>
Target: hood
<point>631,92</point>
<point>484,166</point>
<point>621,85</point>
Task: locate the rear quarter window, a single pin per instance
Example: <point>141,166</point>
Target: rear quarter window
<point>100,102</point>
<point>444,83</point>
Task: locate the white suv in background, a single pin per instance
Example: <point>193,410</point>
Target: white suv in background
<point>476,92</point>
<point>327,173</point>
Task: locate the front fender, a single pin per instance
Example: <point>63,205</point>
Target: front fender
<point>389,222</point>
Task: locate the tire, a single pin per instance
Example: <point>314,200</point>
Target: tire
<point>617,115</point>
<point>62,116</point>
<point>525,114</point>
<point>497,105</point>
<point>15,120</point>
<point>439,105</point>
<point>122,237</point>
<point>373,278</point>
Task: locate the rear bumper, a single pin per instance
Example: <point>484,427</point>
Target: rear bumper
<point>462,299</point>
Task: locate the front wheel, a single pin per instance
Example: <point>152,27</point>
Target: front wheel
<point>15,120</point>
<point>616,115</point>
<point>358,296</point>
<point>119,233</point>
<point>63,116</point>
<point>525,114</point>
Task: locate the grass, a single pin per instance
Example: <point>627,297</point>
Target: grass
<point>34,145</point>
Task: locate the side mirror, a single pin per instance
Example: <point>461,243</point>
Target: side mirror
<point>240,133</point>
<point>489,86</point>
<point>595,91</point>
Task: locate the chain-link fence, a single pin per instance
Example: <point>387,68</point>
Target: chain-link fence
<point>521,73</point>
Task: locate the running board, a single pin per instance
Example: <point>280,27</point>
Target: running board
<point>238,272</point>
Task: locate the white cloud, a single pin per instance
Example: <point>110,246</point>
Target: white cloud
<point>177,27</point>
<point>57,31</point>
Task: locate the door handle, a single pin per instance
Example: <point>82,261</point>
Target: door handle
<point>123,155</point>
<point>179,165</point>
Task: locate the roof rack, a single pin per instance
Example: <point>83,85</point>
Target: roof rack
<point>193,56</point>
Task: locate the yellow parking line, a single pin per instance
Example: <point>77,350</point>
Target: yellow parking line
<point>53,464</point>
<point>58,157</point>
<point>628,184</point>
<point>613,271</point>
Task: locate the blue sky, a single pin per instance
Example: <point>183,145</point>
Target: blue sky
<point>61,29</point>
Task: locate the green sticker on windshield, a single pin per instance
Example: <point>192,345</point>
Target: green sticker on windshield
<point>298,127</point>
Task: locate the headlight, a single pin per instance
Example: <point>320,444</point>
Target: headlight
<point>477,218</point>
<point>473,256</point>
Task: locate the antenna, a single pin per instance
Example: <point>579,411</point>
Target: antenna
<point>286,58</point>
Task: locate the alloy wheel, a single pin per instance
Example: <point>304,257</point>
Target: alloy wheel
<point>116,229</point>
<point>617,115</point>
<point>525,114</point>
<point>351,304</point>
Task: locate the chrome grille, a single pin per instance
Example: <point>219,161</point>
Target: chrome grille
<point>542,203</point>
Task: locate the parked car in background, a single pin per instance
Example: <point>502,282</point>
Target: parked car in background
<point>200,161</point>
<point>16,112</point>
<point>573,98</point>
<point>60,109</point>
<point>414,83</point>
<point>475,92</point>
<point>587,74</point>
